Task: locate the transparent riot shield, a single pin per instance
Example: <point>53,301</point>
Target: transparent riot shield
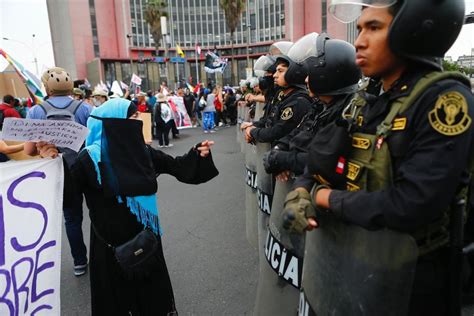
<point>251,209</point>
<point>281,263</point>
<point>349,270</point>
<point>251,205</point>
<point>265,181</point>
<point>240,120</point>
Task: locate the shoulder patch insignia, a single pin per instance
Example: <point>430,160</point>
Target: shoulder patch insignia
<point>360,142</point>
<point>352,187</point>
<point>450,115</point>
<point>286,114</point>
<point>399,124</point>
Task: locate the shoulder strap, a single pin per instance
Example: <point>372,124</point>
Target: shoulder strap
<point>71,107</point>
<point>401,104</point>
<point>46,106</point>
<point>99,236</point>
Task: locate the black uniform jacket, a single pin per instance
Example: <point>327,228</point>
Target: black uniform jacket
<point>428,166</point>
<point>285,115</point>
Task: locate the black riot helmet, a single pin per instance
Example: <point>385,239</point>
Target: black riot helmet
<point>296,74</point>
<point>330,64</point>
<point>421,30</point>
<point>264,69</point>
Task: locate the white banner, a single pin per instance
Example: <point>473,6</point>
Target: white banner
<point>136,80</point>
<point>181,117</point>
<point>30,236</point>
<point>61,133</point>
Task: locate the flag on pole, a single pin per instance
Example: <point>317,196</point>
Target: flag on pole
<point>136,80</point>
<point>190,87</point>
<point>214,63</point>
<point>197,88</point>
<point>31,82</point>
<point>198,50</point>
<point>179,51</point>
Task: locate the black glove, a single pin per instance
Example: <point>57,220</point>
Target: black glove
<point>270,161</point>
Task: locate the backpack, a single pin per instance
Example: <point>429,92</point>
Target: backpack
<point>67,113</point>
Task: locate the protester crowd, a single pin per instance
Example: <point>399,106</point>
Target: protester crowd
<point>358,164</point>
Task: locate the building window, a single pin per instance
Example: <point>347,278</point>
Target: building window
<point>109,69</point>
<point>143,73</point>
<point>324,17</point>
<point>95,41</point>
<point>126,73</point>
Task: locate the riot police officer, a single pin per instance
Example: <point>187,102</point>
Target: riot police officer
<point>409,155</point>
<point>290,105</point>
<point>332,80</point>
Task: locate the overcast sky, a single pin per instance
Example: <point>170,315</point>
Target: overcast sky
<point>20,19</point>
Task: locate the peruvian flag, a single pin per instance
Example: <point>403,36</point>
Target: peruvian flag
<point>197,88</point>
<point>341,162</point>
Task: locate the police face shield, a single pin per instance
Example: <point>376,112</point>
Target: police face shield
<point>262,65</point>
<point>280,48</point>
<point>347,11</point>
<point>304,48</point>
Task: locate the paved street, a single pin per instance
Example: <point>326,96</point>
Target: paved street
<point>213,269</point>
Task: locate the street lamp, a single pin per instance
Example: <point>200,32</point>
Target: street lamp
<point>31,48</point>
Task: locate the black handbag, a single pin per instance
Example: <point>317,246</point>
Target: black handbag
<point>138,257</point>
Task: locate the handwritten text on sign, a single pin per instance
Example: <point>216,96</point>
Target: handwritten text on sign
<point>61,133</point>
<point>30,237</point>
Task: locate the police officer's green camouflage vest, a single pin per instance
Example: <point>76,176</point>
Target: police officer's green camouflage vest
<point>370,167</point>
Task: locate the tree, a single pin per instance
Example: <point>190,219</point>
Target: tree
<point>232,11</point>
<point>449,66</point>
<point>154,10</point>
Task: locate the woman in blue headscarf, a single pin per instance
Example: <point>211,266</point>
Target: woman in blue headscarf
<point>117,172</point>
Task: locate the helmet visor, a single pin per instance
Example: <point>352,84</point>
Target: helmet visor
<point>304,48</point>
<point>348,11</point>
<point>262,64</point>
<point>280,48</point>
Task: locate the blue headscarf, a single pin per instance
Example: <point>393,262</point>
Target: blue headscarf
<point>143,207</point>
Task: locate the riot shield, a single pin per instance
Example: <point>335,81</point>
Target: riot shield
<point>349,270</point>
<point>251,194</point>
<point>251,205</point>
<point>239,121</point>
<point>281,262</point>
<point>265,181</point>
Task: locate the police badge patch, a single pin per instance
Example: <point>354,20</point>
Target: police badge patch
<point>286,114</point>
<point>450,115</point>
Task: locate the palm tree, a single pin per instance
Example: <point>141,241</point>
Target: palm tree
<point>232,11</point>
<point>154,10</point>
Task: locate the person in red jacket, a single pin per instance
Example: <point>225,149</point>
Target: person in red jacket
<point>8,107</point>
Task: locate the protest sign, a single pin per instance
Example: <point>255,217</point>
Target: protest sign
<point>181,117</point>
<point>60,133</point>
<point>146,119</point>
<point>30,236</point>
<point>136,80</point>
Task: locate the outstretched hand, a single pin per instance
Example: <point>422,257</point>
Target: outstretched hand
<point>205,148</point>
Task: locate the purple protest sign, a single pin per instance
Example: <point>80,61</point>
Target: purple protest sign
<point>30,236</point>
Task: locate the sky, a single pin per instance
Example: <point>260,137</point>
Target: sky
<point>21,19</point>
